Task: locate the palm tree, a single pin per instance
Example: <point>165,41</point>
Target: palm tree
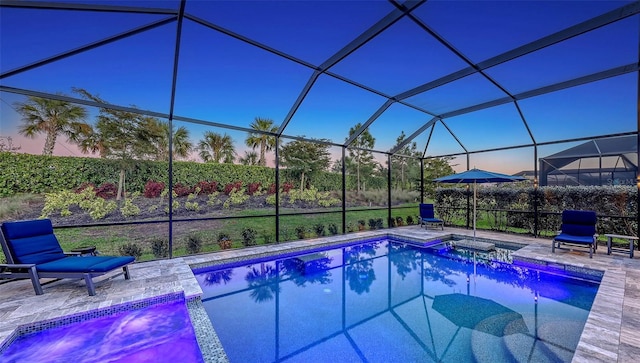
<point>181,144</point>
<point>250,158</point>
<point>216,148</point>
<point>53,118</point>
<point>261,139</point>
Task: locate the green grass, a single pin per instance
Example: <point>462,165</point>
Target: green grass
<point>13,207</point>
<point>108,239</point>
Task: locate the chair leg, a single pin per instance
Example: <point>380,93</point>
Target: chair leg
<point>35,280</point>
<point>125,269</point>
<point>90,287</point>
<point>553,246</point>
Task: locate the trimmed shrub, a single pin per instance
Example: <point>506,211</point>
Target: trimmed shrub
<point>319,229</point>
<point>333,229</point>
<point>361,224</point>
<point>194,243</point>
<point>160,247</point>
<point>409,220</point>
<point>249,237</point>
<point>268,238</point>
<point>301,232</point>
<point>130,249</point>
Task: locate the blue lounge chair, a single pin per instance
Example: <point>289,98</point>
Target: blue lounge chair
<point>33,251</point>
<point>427,216</point>
<point>578,228</point>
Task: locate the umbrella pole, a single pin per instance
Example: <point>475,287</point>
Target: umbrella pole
<point>474,211</point>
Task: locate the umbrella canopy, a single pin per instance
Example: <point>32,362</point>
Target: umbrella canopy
<point>479,314</point>
<point>477,176</point>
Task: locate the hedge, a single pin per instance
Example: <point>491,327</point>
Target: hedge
<point>507,207</point>
<point>38,174</point>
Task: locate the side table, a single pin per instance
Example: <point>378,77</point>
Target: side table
<point>631,240</point>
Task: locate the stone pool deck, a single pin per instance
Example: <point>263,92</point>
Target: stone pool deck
<point>610,334</point>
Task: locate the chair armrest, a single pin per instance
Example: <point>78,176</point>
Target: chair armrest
<point>16,265</point>
<point>73,253</point>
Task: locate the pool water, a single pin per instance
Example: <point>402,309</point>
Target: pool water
<point>386,301</point>
<point>159,333</point>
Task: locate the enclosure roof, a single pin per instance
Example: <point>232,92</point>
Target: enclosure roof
<point>452,76</point>
<point>600,147</point>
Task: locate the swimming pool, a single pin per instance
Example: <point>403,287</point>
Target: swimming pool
<point>385,300</point>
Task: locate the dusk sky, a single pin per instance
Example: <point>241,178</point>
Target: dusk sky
<point>227,81</point>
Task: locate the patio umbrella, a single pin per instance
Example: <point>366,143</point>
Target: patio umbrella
<point>477,176</point>
<point>480,314</point>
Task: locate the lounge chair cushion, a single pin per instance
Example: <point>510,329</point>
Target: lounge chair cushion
<point>432,220</point>
<point>563,237</point>
<point>32,241</point>
<point>579,223</point>
<point>85,264</point>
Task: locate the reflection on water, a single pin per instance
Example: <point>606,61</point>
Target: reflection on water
<point>358,302</point>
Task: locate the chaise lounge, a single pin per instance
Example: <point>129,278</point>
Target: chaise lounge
<point>33,251</point>
<point>578,228</point>
<point>427,216</point>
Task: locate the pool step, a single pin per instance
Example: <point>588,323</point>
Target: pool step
<point>475,245</point>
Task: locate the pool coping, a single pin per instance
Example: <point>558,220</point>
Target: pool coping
<point>609,334</point>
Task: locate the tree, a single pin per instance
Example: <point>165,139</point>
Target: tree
<point>250,158</point>
<point>121,135</point>
<point>261,139</point>
<point>216,148</point>
<point>305,158</point>
<point>52,118</point>
<point>6,144</point>
<point>405,169</point>
<point>361,160</point>
<point>435,168</point>
<point>181,144</point>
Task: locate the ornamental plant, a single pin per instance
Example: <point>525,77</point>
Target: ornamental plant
<point>153,189</point>
<point>207,187</point>
<point>253,188</point>
<point>182,190</point>
<point>160,247</point>
<point>319,229</point>
<point>129,209</point>
<point>249,237</point>
<point>130,249</point>
<point>232,187</point>
<point>224,241</point>
<point>194,243</point>
<point>301,232</point>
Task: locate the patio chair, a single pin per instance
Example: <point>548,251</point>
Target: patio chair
<point>427,216</point>
<point>578,228</point>
<point>33,251</point>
